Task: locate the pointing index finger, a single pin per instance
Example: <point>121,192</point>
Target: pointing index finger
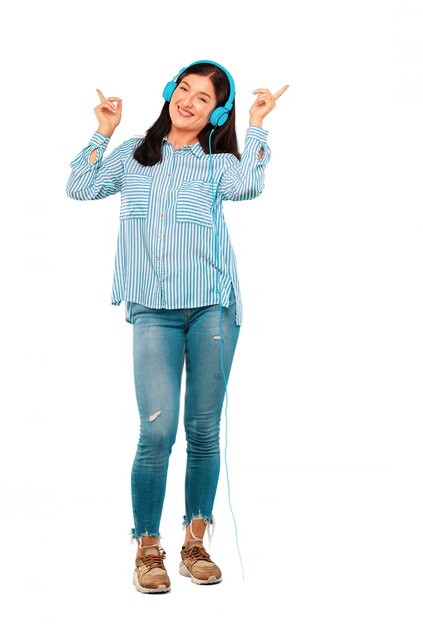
<point>280,92</point>
<point>100,95</point>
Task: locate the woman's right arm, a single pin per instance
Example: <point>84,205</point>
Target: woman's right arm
<point>92,178</point>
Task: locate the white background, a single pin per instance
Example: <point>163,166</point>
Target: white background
<point>325,405</point>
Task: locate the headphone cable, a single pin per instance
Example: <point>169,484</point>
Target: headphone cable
<point>216,244</point>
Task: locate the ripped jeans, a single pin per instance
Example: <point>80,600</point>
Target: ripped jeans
<point>162,340</point>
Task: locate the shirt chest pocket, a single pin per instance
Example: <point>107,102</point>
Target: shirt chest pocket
<point>193,203</point>
<point>136,190</point>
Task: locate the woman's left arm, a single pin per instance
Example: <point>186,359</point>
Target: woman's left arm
<point>264,103</point>
<point>244,179</point>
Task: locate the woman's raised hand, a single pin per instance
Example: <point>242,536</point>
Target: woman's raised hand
<point>108,114</point>
<point>265,102</point>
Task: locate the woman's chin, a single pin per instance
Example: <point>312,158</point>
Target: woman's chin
<point>182,124</point>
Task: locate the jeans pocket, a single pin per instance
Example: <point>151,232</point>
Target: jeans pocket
<point>135,200</point>
<point>193,204</point>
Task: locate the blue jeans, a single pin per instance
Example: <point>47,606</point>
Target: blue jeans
<point>162,339</point>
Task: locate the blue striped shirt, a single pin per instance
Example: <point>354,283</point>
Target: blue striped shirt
<point>165,256</point>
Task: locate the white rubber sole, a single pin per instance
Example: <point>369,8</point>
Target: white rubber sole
<point>160,588</point>
<point>184,571</point>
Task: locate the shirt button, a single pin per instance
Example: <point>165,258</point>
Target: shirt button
<point>168,174</point>
<point>158,258</point>
<point>160,236</point>
<point>164,193</point>
<point>161,214</point>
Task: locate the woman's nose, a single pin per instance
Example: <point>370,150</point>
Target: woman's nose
<point>187,102</point>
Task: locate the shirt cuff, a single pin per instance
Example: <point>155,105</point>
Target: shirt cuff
<point>257,132</point>
<point>256,138</point>
<point>98,139</point>
<point>81,160</point>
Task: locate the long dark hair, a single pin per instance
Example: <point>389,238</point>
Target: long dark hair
<point>223,139</point>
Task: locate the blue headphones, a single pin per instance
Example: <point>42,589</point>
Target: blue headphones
<point>220,114</point>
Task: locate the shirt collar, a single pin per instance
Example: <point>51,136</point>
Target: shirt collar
<point>195,148</point>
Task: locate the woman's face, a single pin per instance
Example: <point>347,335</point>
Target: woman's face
<point>192,103</point>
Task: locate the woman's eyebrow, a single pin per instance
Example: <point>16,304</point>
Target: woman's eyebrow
<point>203,92</point>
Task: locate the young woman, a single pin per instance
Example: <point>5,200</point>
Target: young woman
<point>176,270</point>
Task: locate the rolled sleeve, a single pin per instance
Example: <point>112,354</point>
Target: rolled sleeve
<point>99,179</point>
<point>258,138</point>
<point>244,179</point>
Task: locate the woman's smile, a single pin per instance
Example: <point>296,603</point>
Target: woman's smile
<point>183,112</point>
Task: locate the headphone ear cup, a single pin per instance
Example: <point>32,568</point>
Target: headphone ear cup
<point>219,116</point>
<point>168,90</point>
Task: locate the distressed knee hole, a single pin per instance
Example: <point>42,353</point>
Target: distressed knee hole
<point>154,416</point>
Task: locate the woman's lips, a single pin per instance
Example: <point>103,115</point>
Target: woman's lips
<point>184,113</point>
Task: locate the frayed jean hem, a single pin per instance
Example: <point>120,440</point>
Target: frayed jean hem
<point>210,522</point>
<point>136,536</point>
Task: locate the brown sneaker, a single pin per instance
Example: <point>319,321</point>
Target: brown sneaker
<point>150,575</point>
<point>197,564</point>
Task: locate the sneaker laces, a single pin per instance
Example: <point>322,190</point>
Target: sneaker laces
<point>197,553</point>
<point>154,560</point>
